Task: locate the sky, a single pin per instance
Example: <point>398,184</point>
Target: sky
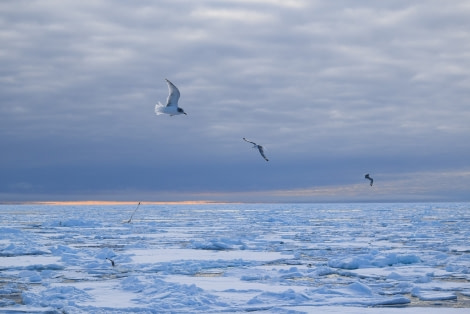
<point>331,89</point>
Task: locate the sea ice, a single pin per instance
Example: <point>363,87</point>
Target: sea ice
<point>299,258</point>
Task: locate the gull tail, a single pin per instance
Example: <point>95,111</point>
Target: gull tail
<point>159,109</point>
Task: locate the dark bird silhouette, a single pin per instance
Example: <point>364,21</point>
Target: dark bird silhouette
<point>259,147</point>
<point>369,178</point>
<point>112,262</point>
<point>129,221</point>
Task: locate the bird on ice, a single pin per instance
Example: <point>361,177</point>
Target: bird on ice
<point>259,147</point>
<point>369,178</point>
<point>171,106</point>
<point>112,262</point>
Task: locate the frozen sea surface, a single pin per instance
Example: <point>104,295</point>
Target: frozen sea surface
<point>281,258</point>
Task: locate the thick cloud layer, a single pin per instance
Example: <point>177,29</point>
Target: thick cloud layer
<point>332,90</point>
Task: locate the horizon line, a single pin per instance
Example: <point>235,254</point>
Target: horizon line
<point>98,202</point>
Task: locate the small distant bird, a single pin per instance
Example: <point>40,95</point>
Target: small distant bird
<point>369,178</point>
<point>112,262</point>
<point>171,106</point>
<point>129,221</point>
<point>259,147</point>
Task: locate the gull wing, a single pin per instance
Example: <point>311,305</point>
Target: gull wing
<point>261,151</point>
<point>250,141</point>
<point>173,96</point>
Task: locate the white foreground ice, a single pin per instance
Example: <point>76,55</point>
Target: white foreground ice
<point>281,258</point>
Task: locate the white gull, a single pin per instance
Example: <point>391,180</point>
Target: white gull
<point>171,106</point>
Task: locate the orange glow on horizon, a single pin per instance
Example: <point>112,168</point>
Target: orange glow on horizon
<point>121,203</point>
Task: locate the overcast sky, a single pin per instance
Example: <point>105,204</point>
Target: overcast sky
<point>332,89</point>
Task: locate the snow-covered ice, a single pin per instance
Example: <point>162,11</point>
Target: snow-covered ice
<point>212,258</point>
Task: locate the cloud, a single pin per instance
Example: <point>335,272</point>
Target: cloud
<point>224,15</point>
<point>322,85</point>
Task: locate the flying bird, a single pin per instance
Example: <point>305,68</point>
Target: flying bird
<point>369,178</point>
<point>259,147</point>
<point>129,221</point>
<point>171,106</point>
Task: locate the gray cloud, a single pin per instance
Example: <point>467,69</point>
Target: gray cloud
<point>326,87</point>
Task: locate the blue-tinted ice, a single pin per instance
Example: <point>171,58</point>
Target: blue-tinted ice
<point>235,257</point>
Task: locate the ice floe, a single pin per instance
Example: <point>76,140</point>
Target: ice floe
<point>299,258</point>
